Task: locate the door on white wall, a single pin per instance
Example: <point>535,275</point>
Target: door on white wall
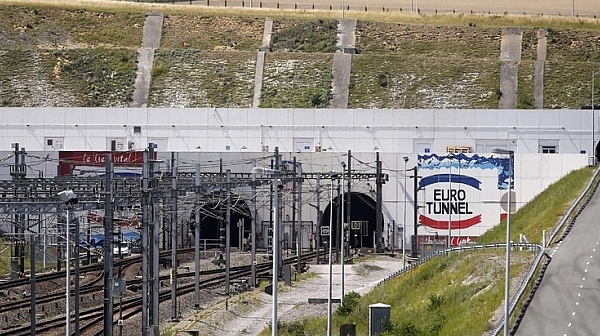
<point>116,144</point>
<point>54,143</point>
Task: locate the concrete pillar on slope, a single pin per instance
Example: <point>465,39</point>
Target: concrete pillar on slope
<point>510,55</point>
<point>538,90</point>
<point>145,59</point>
<point>260,61</point>
<point>342,63</point>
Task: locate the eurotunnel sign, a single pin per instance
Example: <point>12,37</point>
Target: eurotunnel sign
<point>449,200</point>
<point>460,195</point>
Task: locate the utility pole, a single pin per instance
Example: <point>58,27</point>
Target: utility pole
<point>294,195</point>
<point>145,224</point>
<point>14,262</point>
<point>227,230</point>
<point>414,239</point>
<point>319,217</point>
<point>21,173</point>
<point>76,284</point>
<point>221,223</point>
<point>379,207</point>
<point>349,198</point>
<point>279,212</point>
<point>197,241</point>
<point>253,229</point>
<point>271,213</point>
<point>338,217</point>
<point>108,255</point>
<point>18,172</point>
<point>154,242</point>
<point>299,268</point>
<point>32,284</point>
<point>174,317</point>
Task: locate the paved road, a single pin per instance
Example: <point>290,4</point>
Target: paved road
<point>568,300</point>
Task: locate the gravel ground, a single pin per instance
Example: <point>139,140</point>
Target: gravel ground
<point>250,312</point>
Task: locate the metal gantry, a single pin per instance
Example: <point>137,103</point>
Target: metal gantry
<point>23,196</point>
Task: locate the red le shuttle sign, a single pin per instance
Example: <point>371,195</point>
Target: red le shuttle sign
<point>68,160</point>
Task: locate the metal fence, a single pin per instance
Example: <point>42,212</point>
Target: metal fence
<point>379,6</point>
<point>579,204</point>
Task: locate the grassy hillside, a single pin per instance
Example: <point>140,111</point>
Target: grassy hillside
<point>57,57</point>
<point>433,299</point>
<point>83,54</point>
<point>198,78</point>
<point>296,80</point>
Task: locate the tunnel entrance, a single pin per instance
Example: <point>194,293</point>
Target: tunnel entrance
<point>360,232</point>
<point>212,223</point>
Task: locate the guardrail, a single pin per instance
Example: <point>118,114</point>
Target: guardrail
<point>540,253</point>
<point>592,183</point>
<point>457,249</point>
<point>572,208</point>
<point>539,250</point>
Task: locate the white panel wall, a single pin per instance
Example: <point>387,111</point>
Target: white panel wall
<point>208,129</point>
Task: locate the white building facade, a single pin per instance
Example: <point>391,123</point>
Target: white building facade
<point>304,130</point>
<point>460,196</point>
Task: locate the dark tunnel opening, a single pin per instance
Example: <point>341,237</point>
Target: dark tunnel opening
<point>212,223</point>
<point>362,220</point>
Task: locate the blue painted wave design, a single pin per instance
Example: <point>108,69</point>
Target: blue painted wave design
<point>463,161</point>
<point>464,179</point>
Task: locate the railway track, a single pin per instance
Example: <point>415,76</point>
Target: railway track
<point>92,318</point>
<point>85,269</point>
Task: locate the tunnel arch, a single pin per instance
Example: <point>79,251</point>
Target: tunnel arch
<point>362,209</point>
<point>212,220</point>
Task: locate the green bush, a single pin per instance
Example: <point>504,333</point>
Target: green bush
<point>290,328</point>
<point>350,303</point>
<point>435,302</point>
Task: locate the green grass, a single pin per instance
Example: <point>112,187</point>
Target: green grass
<point>296,80</point>
<point>212,32</point>
<point>529,45</point>
<point>305,276</point>
<point>195,78</point>
<point>70,77</point>
<point>427,40</point>
<point>392,81</point>
<point>304,36</point>
<point>434,298</point>
<point>543,212</point>
<point>407,61</point>
<point>98,77</point>
<point>526,83</point>
<point>573,45</point>
<point>567,84</point>
<point>50,28</point>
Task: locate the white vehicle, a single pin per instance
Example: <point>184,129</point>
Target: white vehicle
<point>121,247</point>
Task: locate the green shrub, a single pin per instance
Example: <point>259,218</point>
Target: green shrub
<point>435,302</point>
<point>290,328</point>
<point>350,303</point>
